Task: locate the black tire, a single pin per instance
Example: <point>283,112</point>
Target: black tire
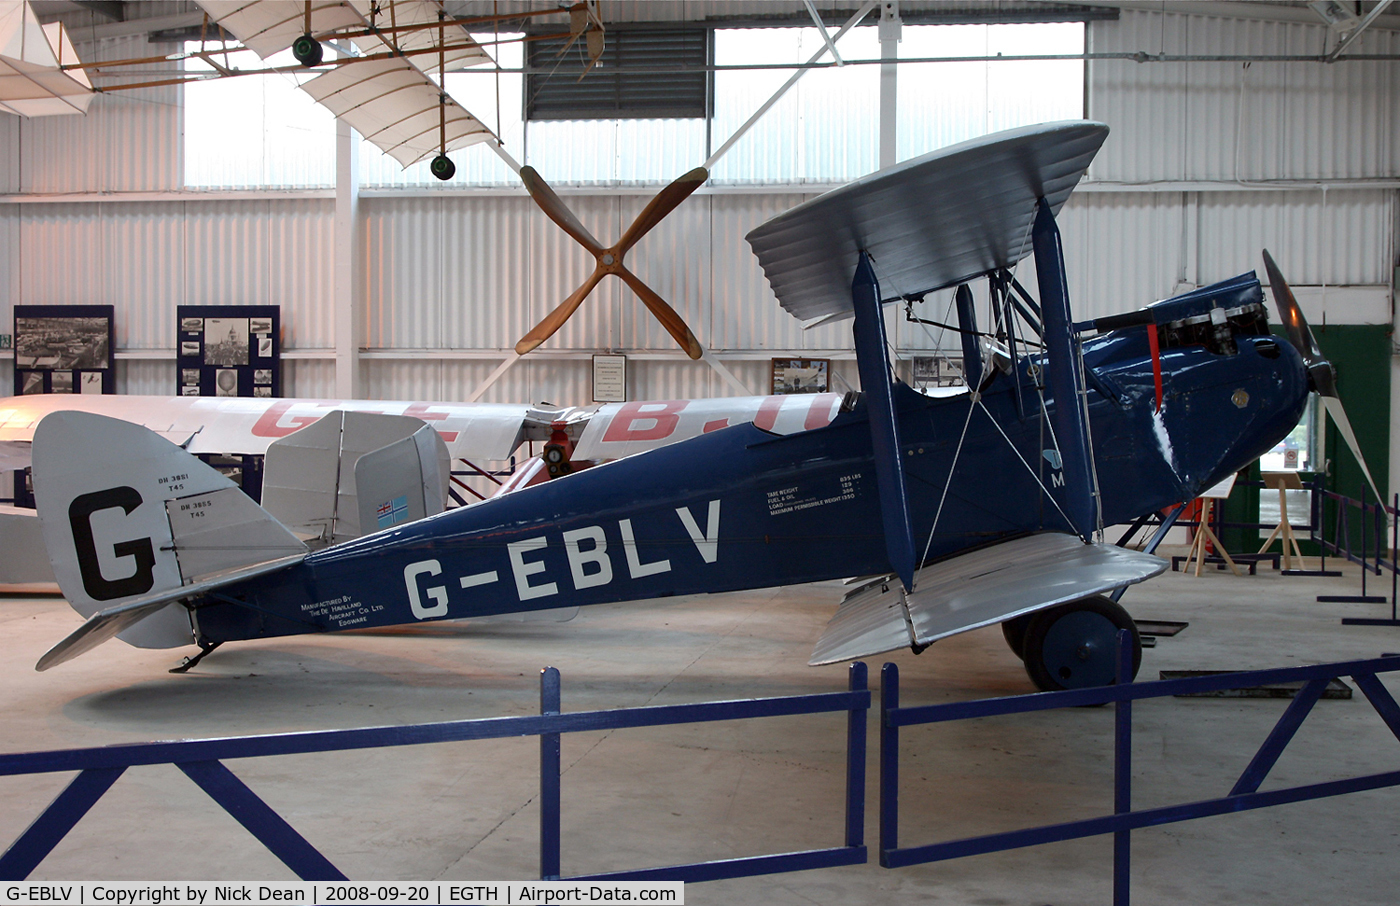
<point>308,51</point>
<point>1014,631</point>
<point>1075,645</point>
<point>442,167</point>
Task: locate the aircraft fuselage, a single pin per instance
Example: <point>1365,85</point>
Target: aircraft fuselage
<point>742,508</point>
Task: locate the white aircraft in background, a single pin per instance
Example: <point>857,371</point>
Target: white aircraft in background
<point>312,480</point>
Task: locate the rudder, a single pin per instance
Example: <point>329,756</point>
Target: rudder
<point>128,516</point>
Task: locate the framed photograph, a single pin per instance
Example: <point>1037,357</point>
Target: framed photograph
<point>92,382</point>
<point>50,340</point>
<point>5,340</point>
<point>226,341</point>
<point>935,371</point>
<point>228,350</point>
<point>801,376</point>
<point>610,379</point>
<point>226,382</point>
<point>57,344</point>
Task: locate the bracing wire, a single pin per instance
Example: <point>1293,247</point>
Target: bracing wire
<point>947,482</point>
<point>1023,462</point>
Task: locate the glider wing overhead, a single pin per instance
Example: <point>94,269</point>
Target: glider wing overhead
<point>390,100</point>
<point>31,83</point>
<point>979,588</point>
<point>928,223</point>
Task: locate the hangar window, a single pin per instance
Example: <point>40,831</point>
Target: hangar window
<point>608,91</point>
<point>944,103</point>
<point>826,129</point>
<point>254,131</point>
<point>623,121</point>
<point>261,131</point>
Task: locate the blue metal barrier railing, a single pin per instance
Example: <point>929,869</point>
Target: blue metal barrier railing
<point>202,761</point>
<point>1243,796</point>
<point>1374,557</point>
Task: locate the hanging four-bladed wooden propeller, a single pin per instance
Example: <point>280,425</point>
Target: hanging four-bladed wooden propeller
<point>609,260</point>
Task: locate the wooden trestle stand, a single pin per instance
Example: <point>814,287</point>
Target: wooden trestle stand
<point>1284,482</point>
<point>1208,498</point>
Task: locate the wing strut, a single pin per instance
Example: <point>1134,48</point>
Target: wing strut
<point>872,358</point>
<point>1062,371</point>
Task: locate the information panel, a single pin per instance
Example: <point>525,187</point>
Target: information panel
<point>64,349</point>
<point>228,350</point>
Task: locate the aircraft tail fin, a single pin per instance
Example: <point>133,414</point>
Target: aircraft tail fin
<point>133,523</point>
<point>353,473</point>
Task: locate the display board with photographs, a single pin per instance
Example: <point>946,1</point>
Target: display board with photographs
<point>928,371</point>
<point>229,350</point>
<point>64,349</point>
<point>801,376</point>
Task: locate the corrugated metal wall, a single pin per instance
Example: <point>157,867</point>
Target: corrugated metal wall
<point>129,141</point>
<point>471,273</point>
<point>146,258</point>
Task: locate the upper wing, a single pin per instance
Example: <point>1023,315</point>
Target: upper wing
<point>243,425</point>
<point>978,588</point>
<point>387,97</point>
<point>930,222</point>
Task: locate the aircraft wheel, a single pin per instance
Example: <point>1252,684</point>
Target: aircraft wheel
<point>442,167</point>
<point>1075,645</point>
<point>308,51</point>
<point>1014,631</point>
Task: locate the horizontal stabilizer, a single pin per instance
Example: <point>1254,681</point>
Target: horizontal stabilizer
<point>105,624</point>
<point>931,222</point>
<point>976,589</point>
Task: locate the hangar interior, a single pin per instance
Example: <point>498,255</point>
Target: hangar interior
<point>145,203</point>
<point>1228,136</point>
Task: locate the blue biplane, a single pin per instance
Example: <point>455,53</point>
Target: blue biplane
<point>953,511</point>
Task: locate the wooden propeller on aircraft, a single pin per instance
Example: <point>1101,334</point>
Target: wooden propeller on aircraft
<point>1320,372</point>
<point>609,260</point>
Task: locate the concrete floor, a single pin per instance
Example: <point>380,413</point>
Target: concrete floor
<point>637,798</point>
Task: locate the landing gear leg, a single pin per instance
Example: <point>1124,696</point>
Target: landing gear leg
<point>1075,645</point>
<point>204,648</point>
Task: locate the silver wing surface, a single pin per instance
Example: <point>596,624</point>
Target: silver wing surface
<point>928,223</point>
<point>976,589</point>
